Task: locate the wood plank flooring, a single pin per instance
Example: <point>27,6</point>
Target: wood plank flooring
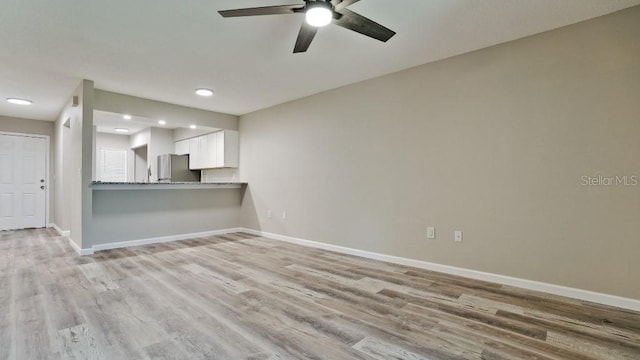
<point>243,297</point>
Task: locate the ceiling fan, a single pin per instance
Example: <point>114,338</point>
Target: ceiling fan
<point>319,13</point>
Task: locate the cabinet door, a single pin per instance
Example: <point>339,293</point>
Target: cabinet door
<point>212,150</point>
<point>230,149</point>
<point>205,156</point>
<point>194,154</point>
<point>181,147</point>
<point>220,149</point>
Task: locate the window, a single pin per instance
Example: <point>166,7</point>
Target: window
<point>112,165</point>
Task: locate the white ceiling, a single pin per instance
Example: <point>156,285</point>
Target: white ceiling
<point>164,49</point>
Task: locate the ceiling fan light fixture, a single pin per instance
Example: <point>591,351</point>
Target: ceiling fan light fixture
<point>319,14</point>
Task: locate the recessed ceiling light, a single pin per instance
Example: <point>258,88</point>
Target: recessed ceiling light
<point>204,92</point>
<point>192,126</point>
<point>19,101</point>
<point>161,122</point>
<point>126,117</point>
<point>319,15</point>
<point>122,130</point>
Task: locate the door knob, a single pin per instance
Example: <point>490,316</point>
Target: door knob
<point>41,180</point>
<point>42,187</point>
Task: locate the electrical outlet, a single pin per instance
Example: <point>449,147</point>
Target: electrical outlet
<point>431,232</point>
<point>457,236</point>
<point>284,215</point>
<point>269,214</point>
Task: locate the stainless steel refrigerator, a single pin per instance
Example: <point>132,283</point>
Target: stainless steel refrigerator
<point>175,168</point>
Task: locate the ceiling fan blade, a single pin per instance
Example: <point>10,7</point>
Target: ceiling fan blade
<point>305,36</point>
<point>266,10</point>
<point>358,23</point>
<point>343,4</point>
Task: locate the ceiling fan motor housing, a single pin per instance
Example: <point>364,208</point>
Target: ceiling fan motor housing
<point>318,13</point>
<point>319,3</point>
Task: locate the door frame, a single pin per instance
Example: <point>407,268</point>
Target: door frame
<point>47,194</point>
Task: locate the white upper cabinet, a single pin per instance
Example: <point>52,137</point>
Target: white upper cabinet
<point>182,147</point>
<point>205,152</point>
<point>211,150</point>
<point>194,154</point>
<point>215,150</point>
<point>227,149</point>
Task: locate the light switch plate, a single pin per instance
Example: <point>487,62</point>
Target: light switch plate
<point>457,236</point>
<point>431,232</point>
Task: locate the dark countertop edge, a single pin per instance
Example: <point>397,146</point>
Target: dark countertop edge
<point>99,185</point>
<point>169,183</point>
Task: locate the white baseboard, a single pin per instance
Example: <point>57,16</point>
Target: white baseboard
<point>58,230</point>
<point>601,298</point>
<point>77,248</point>
<point>155,240</point>
<point>66,234</point>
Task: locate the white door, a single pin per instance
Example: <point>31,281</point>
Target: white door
<point>22,182</point>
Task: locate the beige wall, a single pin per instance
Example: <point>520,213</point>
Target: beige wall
<point>26,126</point>
<point>126,104</point>
<point>493,143</point>
<point>140,138</point>
<point>160,143</point>
<point>74,164</point>
<point>185,133</point>
<point>123,215</point>
<point>36,127</point>
<point>62,168</point>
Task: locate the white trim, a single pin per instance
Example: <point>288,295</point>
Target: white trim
<point>85,252</point>
<point>73,244</point>
<point>76,248</point>
<point>601,298</point>
<point>58,230</point>
<point>155,240</point>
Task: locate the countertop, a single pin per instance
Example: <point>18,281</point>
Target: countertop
<point>103,185</point>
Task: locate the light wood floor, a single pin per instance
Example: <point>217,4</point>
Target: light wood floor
<point>242,297</point>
